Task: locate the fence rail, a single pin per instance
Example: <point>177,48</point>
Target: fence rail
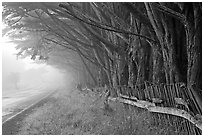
<point>172,96</point>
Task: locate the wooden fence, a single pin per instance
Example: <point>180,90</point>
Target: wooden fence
<point>168,94</point>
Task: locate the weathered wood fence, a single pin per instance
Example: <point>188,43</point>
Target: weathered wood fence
<point>170,95</point>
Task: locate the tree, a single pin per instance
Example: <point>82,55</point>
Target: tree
<point>128,43</point>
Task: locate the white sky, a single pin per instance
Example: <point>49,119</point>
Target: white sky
<point>10,61</point>
<point>8,51</point>
<point>31,73</point>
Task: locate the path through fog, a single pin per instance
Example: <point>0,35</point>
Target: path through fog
<point>25,82</point>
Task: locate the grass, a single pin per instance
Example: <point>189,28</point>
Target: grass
<point>75,113</point>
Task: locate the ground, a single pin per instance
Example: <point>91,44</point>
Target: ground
<point>72,112</point>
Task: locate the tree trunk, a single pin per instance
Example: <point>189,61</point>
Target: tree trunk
<point>157,65</point>
<point>193,28</point>
<point>87,68</point>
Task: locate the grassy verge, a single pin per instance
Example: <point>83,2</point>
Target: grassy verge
<point>75,113</point>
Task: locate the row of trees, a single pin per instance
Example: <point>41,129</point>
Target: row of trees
<point>113,43</point>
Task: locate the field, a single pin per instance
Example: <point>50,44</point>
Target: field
<point>76,113</point>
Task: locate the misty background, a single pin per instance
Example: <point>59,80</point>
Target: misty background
<point>24,74</point>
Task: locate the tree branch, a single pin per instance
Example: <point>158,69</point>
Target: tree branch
<point>107,28</point>
<point>59,44</point>
<point>165,110</point>
<point>171,12</point>
<point>16,21</point>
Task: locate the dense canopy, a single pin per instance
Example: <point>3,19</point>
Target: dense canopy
<point>112,43</point>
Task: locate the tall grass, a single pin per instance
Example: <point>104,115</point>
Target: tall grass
<point>76,113</point>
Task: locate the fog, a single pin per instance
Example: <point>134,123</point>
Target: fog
<point>24,74</point>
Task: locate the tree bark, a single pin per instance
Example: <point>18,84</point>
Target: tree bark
<point>193,52</point>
